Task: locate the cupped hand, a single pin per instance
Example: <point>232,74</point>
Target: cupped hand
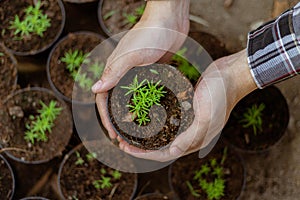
<point>222,85</point>
<point>161,30</point>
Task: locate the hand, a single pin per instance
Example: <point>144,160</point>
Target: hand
<point>162,29</point>
<point>222,85</point>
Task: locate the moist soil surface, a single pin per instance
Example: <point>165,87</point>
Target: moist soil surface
<point>15,114</point>
<point>184,169</point>
<point>275,118</point>
<point>76,180</point>
<point>60,77</point>
<point>29,44</point>
<point>6,180</point>
<point>116,23</point>
<point>173,117</point>
<point>8,71</point>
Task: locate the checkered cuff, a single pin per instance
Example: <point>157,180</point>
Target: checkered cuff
<point>274,49</point>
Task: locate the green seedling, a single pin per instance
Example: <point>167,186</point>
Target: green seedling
<point>209,179</point>
<point>132,18</point>
<point>184,66</point>
<point>1,54</point>
<point>91,156</point>
<point>34,22</point>
<point>74,60</point>
<point>109,14</point>
<point>40,125</point>
<point>79,160</point>
<point>116,174</point>
<point>253,118</point>
<point>144,95</point>
<point>104,182</point>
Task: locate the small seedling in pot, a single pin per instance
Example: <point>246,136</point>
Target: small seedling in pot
<point>79,160</point>
<point>91,156</point>
<point>106,179</point>
<point>253,118</point>
<point>109,14</point>
<point>40,125</point>
<point>131,18</point>
<point>34,22</point>
<point>144,95</point>
<point>209,179</point>
<point>184,66</point>
<point>1,54</point>
<point>74,60</point>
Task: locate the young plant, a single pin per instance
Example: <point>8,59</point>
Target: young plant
<point>74,60</point>
<point>79,160</point>
<point>40,125</point>
<point>213,171</point>
<point>1,54</point>
<point>106,179</point>
<point>184,66</point>
<point>34,22</point>
<point>131,18</point>
<point>253,118</point>
<point>144,95</point>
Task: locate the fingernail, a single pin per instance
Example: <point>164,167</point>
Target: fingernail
<point>97,86</point>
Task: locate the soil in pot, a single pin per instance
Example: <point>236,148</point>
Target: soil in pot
<point>7,183</point>
<point>82,176</point>
<point>60,77</point>
<point>20,113</point>
<point>173,114</point>
<point>194,178</point>
<point>274,117</point>
<point>32,43</point>
<point>8,71</point>
<point>152,196</point>
<point>120,15</point>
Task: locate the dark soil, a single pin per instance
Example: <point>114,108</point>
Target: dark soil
<point>173,117</point>
<point>275,118</point>
<point>8,71</point>
<point>210,43</point>
<point>15,114</point>
<point>184,169</point>
<point>58,75</point>
<point>77,180</point>
<point>6,180</point>
<point>34,43</point>
<point>117,22</point>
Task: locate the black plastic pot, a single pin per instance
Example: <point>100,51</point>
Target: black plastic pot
<point>10,194</point>
<point>74,38</point>
<point>185,163</point>
<point>13,117</point>
<point>85,183</point>
<point>10,72</point>
<point>153,135</point>
<point>34,198</point>
<point>275,119</point>
<point>46,46</point>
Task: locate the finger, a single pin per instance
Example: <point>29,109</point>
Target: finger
<point>102,109</point>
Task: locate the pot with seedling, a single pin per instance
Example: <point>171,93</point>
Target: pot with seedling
<point>148,109</point>
<point>36,126</point>
<point>7,179</point>
<point>82,176</point>
<point>8,72</point>
<point>258,121</point>
<point>218,176</point>
<point>117,16</point>
<point>69,64</point>
<point>31,26</point>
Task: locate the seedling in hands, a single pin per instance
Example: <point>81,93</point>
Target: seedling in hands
<point>184,66</point>
<point>211,170</point>
<point>34,22</point>
<point>40,125</point>
<point>144,95</point>
<point>253,118</point>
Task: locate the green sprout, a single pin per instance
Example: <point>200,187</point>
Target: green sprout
<point>132,18</point>
<point>79,160</point>
<point>1,54</point>
<point>144,95</point>
<point>253,117</point>
<point>73,61</point>
<point>103,183</point>
<point>43,123</point>
<point>34,22</point>
<point>91,156</point>
<point>109,14</point>
<point>116,174</point>
<point>210,179</point>
<point>184,66</point>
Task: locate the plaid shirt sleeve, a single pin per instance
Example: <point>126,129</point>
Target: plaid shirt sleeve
<point>274,49</point>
